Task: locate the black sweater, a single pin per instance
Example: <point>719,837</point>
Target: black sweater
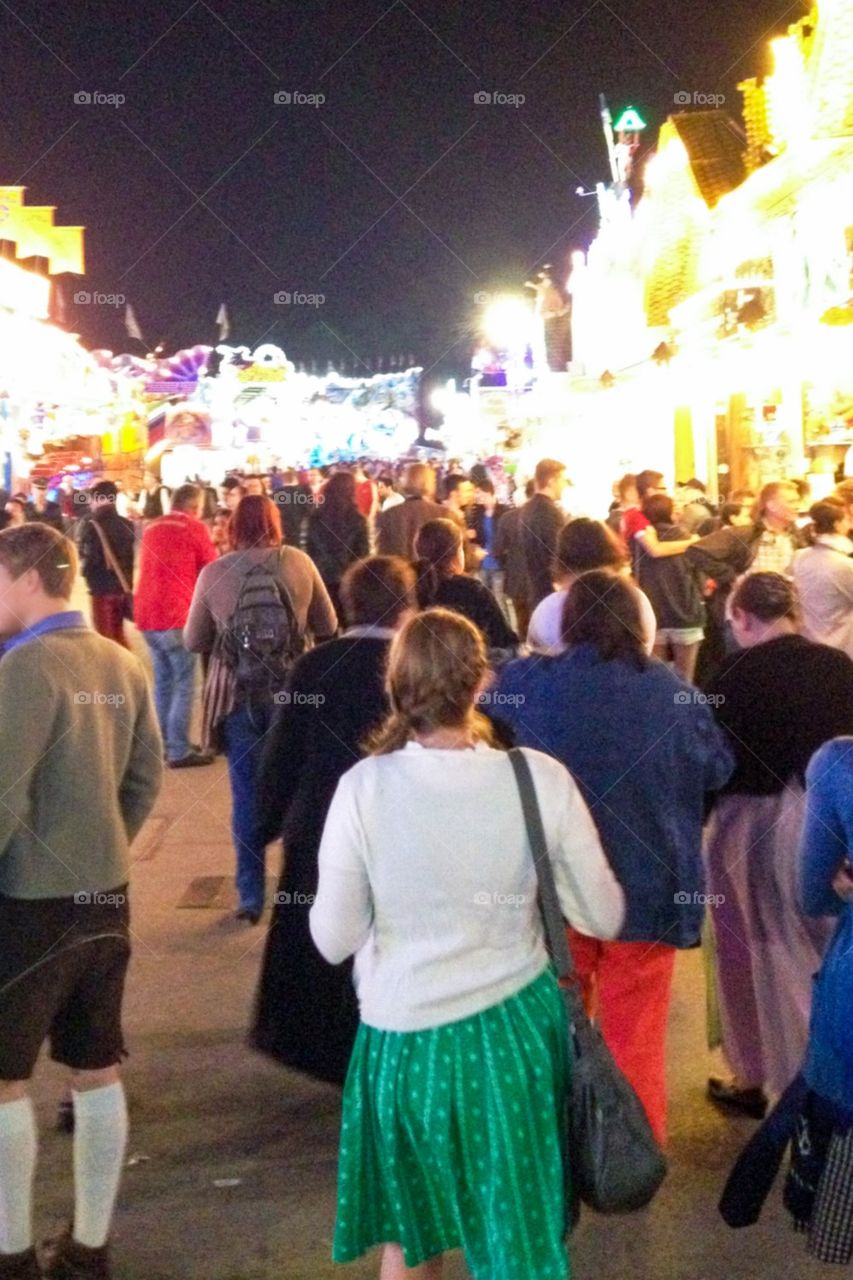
<point>474,601</point>
<point>780,701</point>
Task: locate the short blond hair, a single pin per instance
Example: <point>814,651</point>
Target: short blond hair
<point>419,480</point>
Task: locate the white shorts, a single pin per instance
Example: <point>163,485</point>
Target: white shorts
<point>679,635</point>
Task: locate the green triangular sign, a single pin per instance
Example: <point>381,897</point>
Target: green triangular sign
<point>630,121</point>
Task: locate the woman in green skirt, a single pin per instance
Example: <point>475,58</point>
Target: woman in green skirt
<point>452,1133</point>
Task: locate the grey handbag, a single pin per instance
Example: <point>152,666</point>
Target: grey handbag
<point>616,1164</point>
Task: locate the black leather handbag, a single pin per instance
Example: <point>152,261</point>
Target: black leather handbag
<point>615,1162</point>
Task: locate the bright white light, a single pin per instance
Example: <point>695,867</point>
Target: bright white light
<point>507,323</point>
<point>442,398</point>
<point>23,292</point>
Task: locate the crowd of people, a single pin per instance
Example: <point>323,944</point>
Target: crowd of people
<point>680,679</point>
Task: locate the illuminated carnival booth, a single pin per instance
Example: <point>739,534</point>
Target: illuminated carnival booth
<point>54,399</point>
<point>210,410</point>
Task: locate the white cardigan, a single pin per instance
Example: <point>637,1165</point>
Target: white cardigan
<point>824,578</point>
<point>427,876</point>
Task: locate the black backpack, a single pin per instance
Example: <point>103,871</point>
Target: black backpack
<point>261,639</point>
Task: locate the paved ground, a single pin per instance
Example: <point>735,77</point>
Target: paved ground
<point>204,1108</point>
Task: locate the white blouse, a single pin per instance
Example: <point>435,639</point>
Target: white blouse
<point>545,631</point>
<point>426,876</point>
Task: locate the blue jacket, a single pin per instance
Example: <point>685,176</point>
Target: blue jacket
<point>827,841</point>
<point>645,749</point>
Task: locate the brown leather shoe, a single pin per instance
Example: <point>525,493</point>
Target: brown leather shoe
<point>66,1259</point>
<point>19,1266</point>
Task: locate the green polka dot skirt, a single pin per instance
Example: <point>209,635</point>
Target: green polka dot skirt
<point>454,1138</point>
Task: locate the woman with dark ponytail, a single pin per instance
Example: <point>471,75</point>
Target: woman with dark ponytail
<point>442,580</point>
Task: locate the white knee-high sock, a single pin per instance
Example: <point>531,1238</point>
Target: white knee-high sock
<point>18,1146</point>
<point>100,1140</point>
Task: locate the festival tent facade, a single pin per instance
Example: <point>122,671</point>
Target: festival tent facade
<point>713,320</point>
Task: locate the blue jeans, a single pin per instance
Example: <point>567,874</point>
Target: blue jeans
<point>174,682</point>
<point>494,580</point>
<point>244,733</point>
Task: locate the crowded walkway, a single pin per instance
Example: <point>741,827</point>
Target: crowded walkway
<point>674,678</point>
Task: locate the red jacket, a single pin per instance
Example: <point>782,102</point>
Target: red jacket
<point>175,549</point>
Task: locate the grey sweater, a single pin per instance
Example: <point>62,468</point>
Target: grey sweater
<point>80,764</point>
<point>218,590</point>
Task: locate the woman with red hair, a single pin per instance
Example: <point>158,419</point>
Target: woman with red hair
<point>260,589</point>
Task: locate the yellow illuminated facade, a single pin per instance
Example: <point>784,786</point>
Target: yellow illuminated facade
<point>31,229</point>
<point>741,256</point>
<point>50,387</point>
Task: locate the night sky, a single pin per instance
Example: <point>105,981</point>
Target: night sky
<point>400,200</point>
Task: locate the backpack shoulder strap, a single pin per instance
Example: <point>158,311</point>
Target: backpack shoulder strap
<point>284,590</point>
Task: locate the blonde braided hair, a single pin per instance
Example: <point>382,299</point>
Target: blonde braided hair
<point>436,666</point>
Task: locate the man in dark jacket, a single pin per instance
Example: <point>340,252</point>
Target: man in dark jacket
<point>766,544</point>
<point>106,552</point>
<point>295,503</point>
<point>42,508</point>
<point>307,1013</point>
<point>539,528</point>
<point>397,527</point>
<point>510,557</point>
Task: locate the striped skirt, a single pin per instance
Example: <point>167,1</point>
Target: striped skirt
<point>453,1137</point>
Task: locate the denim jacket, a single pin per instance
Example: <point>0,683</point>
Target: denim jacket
<point>645,749</point>
<point>827,841</point>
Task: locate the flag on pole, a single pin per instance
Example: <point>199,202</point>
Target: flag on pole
<point>223,322</point>
<point>131,324</point>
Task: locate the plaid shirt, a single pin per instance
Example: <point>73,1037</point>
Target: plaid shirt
<point>774,553</point>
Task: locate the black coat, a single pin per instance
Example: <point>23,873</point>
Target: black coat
<point>306,1013</point>
<point>510,555</point>
<point>336,542</point>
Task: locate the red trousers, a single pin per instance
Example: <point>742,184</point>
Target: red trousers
<point>108,618</point>
<point>626,987</point>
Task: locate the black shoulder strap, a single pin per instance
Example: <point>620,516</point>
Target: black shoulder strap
<point>549,903</point>
<point>287,598</point>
